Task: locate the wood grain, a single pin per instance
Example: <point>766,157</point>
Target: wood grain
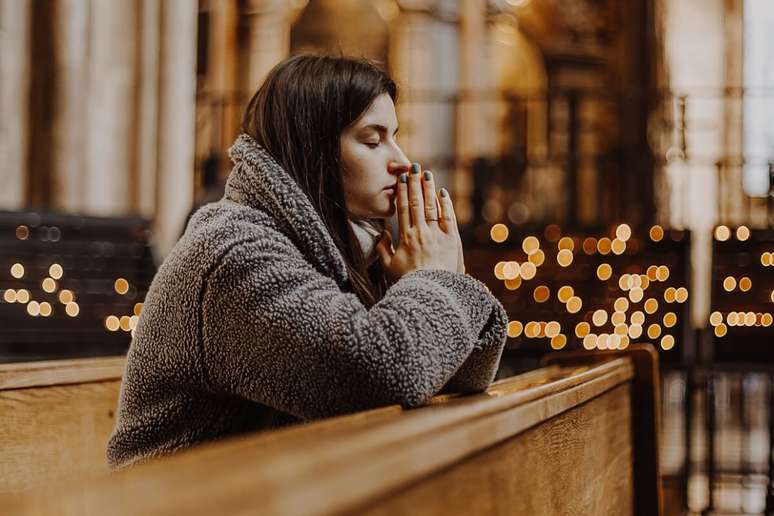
<point>58,372</point>
<point>357,461</point>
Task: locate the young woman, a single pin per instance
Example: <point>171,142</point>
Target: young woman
<point>286,300</point>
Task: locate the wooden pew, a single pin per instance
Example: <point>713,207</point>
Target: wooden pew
<point>55,419</point>
<point>563,439</point>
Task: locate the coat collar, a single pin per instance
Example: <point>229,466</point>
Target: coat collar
<point>258,181</point>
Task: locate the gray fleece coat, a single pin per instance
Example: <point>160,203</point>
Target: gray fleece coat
<point>250,324</point>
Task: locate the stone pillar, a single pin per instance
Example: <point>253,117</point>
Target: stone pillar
<point>177,102</point>
<point>110,150</point>
<point>144,175</point>
<point>423,62</point>
<point>269,23</point>
<point>14,87</point>
<point>71,36</point>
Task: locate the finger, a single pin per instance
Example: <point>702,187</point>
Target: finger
<point>416,201</point>
<point>404,218</point>
<point>431,206</point>
<point>447,212</point>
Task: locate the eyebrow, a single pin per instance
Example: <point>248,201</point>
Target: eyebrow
<point>380,128</point>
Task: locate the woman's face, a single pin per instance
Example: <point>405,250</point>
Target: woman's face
<point>372,161</point>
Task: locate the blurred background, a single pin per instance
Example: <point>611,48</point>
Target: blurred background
<point>611,162</point>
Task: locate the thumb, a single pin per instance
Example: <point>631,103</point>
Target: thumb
<point>384,247</point>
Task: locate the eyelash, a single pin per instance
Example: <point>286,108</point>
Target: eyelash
<point>372,145</point>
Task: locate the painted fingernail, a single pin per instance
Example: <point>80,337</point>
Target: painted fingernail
<point>415,168</point>
<point>444,193</point>
<point>403,178</point>
<point>428,175</point>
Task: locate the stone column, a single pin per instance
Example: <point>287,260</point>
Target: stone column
<point>111,109</point>
<point>423,62</point>
<point>144,175</point>
<point>269,23</point>
<point>71,36</point>
<point>177,102</point>
<point>14,87</point>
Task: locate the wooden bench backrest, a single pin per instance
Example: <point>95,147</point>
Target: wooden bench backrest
<point>559,440</point>
<point>55,419</point>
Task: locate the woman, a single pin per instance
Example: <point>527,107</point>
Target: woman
<point>286,300</point>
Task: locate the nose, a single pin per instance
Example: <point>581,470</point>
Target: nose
<point>399,164</point>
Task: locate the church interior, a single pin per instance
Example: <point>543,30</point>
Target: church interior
<point>612,171</point>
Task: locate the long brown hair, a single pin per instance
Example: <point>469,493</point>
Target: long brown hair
<point>298,115</point>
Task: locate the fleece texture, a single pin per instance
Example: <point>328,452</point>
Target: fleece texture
<point>250,323</point>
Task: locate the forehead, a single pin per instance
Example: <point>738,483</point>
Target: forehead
<point>380,112</point>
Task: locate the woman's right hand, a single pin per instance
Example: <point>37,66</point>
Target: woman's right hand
<point>429,237</point>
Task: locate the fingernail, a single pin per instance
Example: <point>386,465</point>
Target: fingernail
<point>403,178</point>
<point>444,193</point>
<point>415,168</point>
<point>428,175</point>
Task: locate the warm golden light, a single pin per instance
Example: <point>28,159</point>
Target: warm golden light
<point>121,286</point>
<point>715,318</point>
<point>650,306</point>
<point>66,296</point>
<point>729,284</point>
<point>621,330</point>
<point>17,270</point>
<point>749,319</point>
<point>766,259</point>
<point>621,304</point>
<point>22,296</point>
<point>654,330</point>
<point>599,318</point>
<point>644,281</point>
<point>565,293</point>
<point>33,308</point>
<point>670,294</point>
<point>602,341</point>
<point>745,283</point>
<point>651,273</point>
<point>604,271</point>
<point>636,294</point>
<point>498,270</point>
<point>564,257</point>
<point>589,245</point>
<point>742,233</point>
<point>667,342</point>
<point>9,296</point>
<point>511,270</point>
<point>590,341</point>
<point>22,232</point>
<point>55,271</point>
<point>721,330</point>
<point>582,329</point>
<point>48,285</point>
<point>766,320</point>
<point>528,270</point>
<point>732,318</point>
<point>537,258</point>
<point>623,232</point>
<point>133,320</point>
<point>532,329</point>
<point>499,233</point>
<point>638,317</point>
<point>541,294</point>
<point>604,245</point>
<point>624,342</point>
<point>670,319</point>
<point>45,309</point>
<point>566,243</point>
<point>635,331</point>
<point>618,318</point>
<point>515,328</point>
<point>662,273</point>
<point>558,341</point>
<point>618,247</point>
<point>574,304</point>
<point>124,322</point>
<point>510,284</point>
<point>552,329</point>
<point>722,233</point>
<point>681,295</point>
<point>624,282</point>
<point>112,323</point>
<point>656,233</point>
<point>72,309</point>
<point>530,244</point>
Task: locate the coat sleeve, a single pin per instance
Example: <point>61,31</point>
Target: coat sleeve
<point>278,332</point>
